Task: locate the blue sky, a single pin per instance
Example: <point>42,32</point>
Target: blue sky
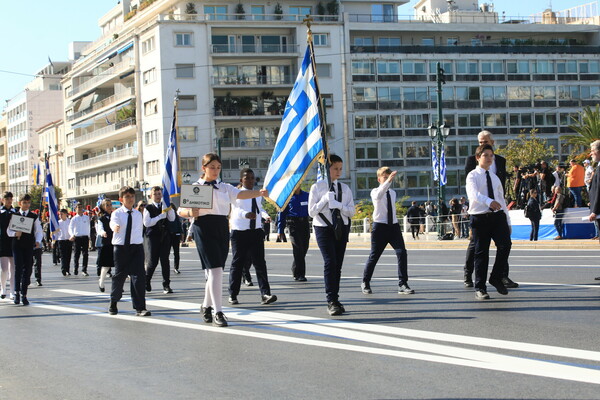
<point>32,31</point>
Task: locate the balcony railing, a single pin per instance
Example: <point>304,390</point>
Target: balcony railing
<point>103,103</point>
<point>474,17</point>
<point>253,80</point>
<point>247,17</point>
<point>112,157</point>
<point>108,73</point>
<point>254,48</point>
<point>484,49</point>
<point>103,132</point>
<point>247,143</point>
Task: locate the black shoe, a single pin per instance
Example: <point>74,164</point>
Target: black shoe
<point>499,286</point>
<point>64,273</point>
<point>481,295</point>
<point>366,288</point>
<point>405,289</point>
<point>68,273</point>
<point>38,283</point>
<point>112,309</point>
<point>177,270</point>
<point>101,288</point>
<point>84,273</point>
<point>75,271</point>
<point>143,313</point>
<point>597,278</point>
<point>468,283</point>
<point>148,287</point>
<point>25,301</point>
<point>301,279</point>
<point>167,290</point>
<point>2,296</point>
<point>268,299</point>
<point>248,282</point>
<point>206,314</point>
<point>108,275</point>
<point>219,320</point>
<point>334,308</point>
<point>17,299</point>
<point>233,300</point>
<point>508,283</point>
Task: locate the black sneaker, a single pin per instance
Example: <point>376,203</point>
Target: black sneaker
<point>500,288</point>
<point>366,288</point>
<point>25,301</point>
<point>219,320</point>
<point>75,271</point>
<point>405,289</point>
<point>17,299</point>
<point>268,299</point>
<point>508,283</point>
<point>301,279</point>
<point>38,283</point>
<point>248,282</point>
<point>481,295</point>
<point>167,290</point>
<point>68,273</point>
<point>148,287</point>
<point>143,313</point>
<point>334,308</point>
<point>177,270</point>
<point>206,314</point>
<point>112,309</point>
<point>84,273</point>
<point>468,283</point>
<point>233,300</point>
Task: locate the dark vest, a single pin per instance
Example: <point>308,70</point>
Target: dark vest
<point>161,227</point>
<point>27,239</point>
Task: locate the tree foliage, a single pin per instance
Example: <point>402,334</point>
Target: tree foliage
<point>527,149</point>
<point>36,191</point>
<point>586,128</point>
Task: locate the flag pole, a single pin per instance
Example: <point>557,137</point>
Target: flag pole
<point>176,108</point>
<point>309,39</point>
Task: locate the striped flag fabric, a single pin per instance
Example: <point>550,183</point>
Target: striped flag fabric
<point>36,174</point>
<point>299,143</point>
<point>170,180</point>
<point>51,200</point>
<point>434,160</point>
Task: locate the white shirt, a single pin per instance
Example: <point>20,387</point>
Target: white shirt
<point>241,207</point>
<point>148,221</point>
<point>378,195</point>
<point>119,217</point>
<point>80,225</point>
<point>556,179</point>
<point>63,229</point>
<point>589,171</point>
<point>224,195</point>
<point>37,228</point>
<point>477,191</point>
<point>318,202</point>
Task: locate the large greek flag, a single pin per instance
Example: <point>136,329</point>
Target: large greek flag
<point>50,196</point>
<point>434,160</point>
<point>299,143</point>
<point>170,180</point>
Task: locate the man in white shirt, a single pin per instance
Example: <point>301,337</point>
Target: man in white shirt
<point>247,242</point>
<point>489,220</point>
<point>64,243</point>
<point>79,230</point>
<point>332,208</point>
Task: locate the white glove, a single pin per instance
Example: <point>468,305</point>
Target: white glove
<point>331,196</point>
<point>335,204</point>
<point>163,215</point>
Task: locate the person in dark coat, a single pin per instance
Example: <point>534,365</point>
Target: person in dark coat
<point>105,260</point>
<point>414,215</point>
<point>533,212</point>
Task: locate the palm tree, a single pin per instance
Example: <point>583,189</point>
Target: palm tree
<point>586,127</point>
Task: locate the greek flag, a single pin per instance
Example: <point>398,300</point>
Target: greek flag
<point>299,143</point>
<point>170,180</point>
<point>101,198</point>
<point>50,196</point>
<point>434,160</point>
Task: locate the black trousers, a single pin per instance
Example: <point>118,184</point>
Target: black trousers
<point>23,259</point>
<point>37,264</point>
<point>81,246</point>
<point>470,261</point>
<point>535,229</point>
<point>66,248</point>
<point>175,244</point>
<point>55,253</point>
<point>248,246</point>
<point>381,235</point>
<point>129,261</point>
<point>300,238</point>
<point>159,247</point>
<point>333,252</point>
<point>486,227</point>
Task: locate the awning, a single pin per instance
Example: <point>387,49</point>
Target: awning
<point>102,117</point>
<point>86,101</point>
<point>125,48</point>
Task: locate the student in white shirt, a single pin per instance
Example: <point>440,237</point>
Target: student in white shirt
<point>211,234</point>
<point>248,242</point>
<point>489,220</point>
<point>79,229</point>
<point>332,208</point>
<point>64,243</point>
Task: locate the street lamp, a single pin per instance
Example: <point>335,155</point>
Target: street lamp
<point>144,186</point>
<point>186,177</point>
<point>244,164</point>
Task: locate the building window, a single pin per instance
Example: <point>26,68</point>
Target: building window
<point>70,160</point>
<point>184,70</point>
<point>187,102</point>
<point>517,67</point>
<point>416,121</point>
<point>258,13</point>
<point>324,70</point>
<point>497,93</point>
<point>428,41</point>
<point>413,93</point>
<point>327,100</point>
<point>151,107</point>
<point>187,133</point>
<point>183,39</point>
<point>494,67</point>
<point>216,12</point>
<point>188,163</point>
<point>413,67</point>
<point>362,122</point>
<point>467,67</point>
<point>71,183</point>
<point>467,93</point>
<point>363,41</point>
<point>392,151</point>
<point>382,13</point>
<point>452,41</point>
<point>519,93</point>
<point>543,67</point>
<point>300,11</point>
<point>544,93</point>
<point>388,41</point>
<point>148,45</point>
<point>366,151</point>
<point>363,68</point>
<point>494,119</point>
<point>151,137</point>
<point>364,94</point>
<point>388,67</point>
<point>153,167</point>
<point>320,39</point>
<point>149,76</point>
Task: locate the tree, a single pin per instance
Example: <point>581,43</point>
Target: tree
<point>587,129</point>
<point>526,150</point>
<point>36,191</point>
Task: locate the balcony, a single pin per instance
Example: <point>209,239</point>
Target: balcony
<point>484,49</point>
<point>129,153</point>
<point>252,80</point>
<point>103,103</point>
<point>246,17</point>
<point>254,49</point>
<point>104,135</point>
<point>110,73</point>
<point>246,143</point>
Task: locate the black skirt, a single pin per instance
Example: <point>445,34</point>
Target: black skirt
<point>105,255</point>
<point>211,235</point>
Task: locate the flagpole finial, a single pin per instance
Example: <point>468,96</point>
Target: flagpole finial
<point>308,21</point>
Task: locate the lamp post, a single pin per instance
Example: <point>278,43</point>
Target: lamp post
<point>144,186</point>
<point>186,177</point>
<point>438,133</point>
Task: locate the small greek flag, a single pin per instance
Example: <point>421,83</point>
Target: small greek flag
<point>36,174</point>
<point>299,143</point>
<point>434,160</point>
<point>50,196</point>
<point>170,180</point>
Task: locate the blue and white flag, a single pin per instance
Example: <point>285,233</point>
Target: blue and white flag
<point>299,143</point>
<point>170,180</point>
<point>50,195</point>
<point>36,174</point>
<point>434,160</point>
<point>101,198</point>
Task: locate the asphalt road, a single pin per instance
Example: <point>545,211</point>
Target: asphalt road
<point>539,342</point>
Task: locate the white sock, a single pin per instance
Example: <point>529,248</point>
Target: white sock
<point>103,273</point>
<point>214,289</point>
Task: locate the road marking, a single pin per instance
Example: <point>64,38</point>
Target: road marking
<point>379,335</point>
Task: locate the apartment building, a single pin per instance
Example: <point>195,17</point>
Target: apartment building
<point>232,66</point>
<point>3,158</point>
<point>51,139</point>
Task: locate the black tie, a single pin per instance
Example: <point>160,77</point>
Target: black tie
<point>212,183</point>
<point>390,212</point>
<point>334,211</point>
<point>489,185</point>
<point>128,228</point>
<point>159,207</point>
<point>255,211</point>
